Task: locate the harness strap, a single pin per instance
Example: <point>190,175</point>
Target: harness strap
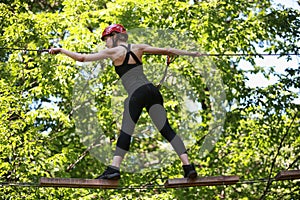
<point>129,52</point>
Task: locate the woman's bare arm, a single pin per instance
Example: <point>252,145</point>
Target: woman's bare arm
<point>103,54</point>
<point>166,51</point>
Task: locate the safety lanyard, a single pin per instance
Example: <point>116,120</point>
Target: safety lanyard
<point>170,59</point>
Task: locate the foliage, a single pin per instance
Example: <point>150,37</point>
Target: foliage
<point>37,127</point>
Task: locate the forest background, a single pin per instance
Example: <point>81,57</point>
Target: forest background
<point>257,132</point>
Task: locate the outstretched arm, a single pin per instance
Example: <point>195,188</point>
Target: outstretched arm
<point>167,51</point>
<point>107,53</point>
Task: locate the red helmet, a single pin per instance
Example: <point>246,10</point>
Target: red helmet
<point>113,28</point>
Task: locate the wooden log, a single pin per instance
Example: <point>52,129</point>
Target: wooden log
<point>78,183</point>
<point>288,175</point>
<point>202,181</point>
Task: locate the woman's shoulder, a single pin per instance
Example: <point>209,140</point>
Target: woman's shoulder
<point>143,45</point>
<point>139,47</point>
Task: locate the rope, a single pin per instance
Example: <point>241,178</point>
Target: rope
<point>23,49</point>
<point>205,54</point>
<point>252,54</point>
<point>278,152</point>
<point>19,184</point>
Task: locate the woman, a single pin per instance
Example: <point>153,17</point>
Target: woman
<point>127,59</point>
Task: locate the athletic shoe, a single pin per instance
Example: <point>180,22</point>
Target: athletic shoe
<point>110,173</point>
<point>189,171</point>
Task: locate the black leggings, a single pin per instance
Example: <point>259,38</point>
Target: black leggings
<point>147,96</point>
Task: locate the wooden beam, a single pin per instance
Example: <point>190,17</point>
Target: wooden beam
<point>202,181</point>
<point>288,175</point>
<point>78,183</point>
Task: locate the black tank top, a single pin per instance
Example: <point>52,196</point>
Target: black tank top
<point>125,67</point>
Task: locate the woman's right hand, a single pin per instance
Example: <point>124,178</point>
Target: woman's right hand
<point>54,50</point>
